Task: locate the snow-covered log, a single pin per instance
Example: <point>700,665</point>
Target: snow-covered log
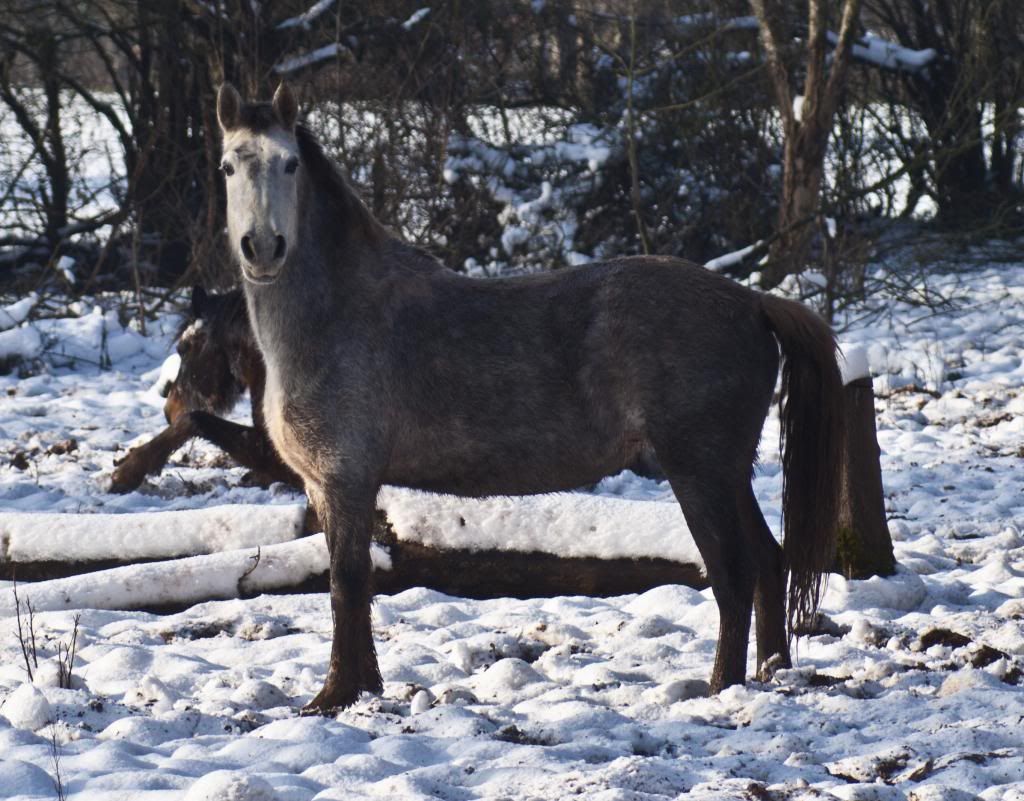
<point>29,537</point>
<point>565,543</point>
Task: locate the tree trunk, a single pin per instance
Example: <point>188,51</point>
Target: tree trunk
<point>803,164</point>
<point>805,135</point>
<point>865,545</point>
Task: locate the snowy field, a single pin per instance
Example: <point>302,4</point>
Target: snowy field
<point>912,689</point>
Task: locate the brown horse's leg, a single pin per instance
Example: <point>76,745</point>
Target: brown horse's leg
<point>708,502</point>
<point>150,458</point>
<point>249,446</point>
<point>769,591</point>
<point>347,516</point>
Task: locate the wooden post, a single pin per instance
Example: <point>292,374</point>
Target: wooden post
<point>865,545</point>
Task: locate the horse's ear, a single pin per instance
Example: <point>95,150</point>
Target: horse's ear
<point>198,300</point>
<point>285,108</point>
<point>229,106</point>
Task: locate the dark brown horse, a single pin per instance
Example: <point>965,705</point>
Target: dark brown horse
<point>383,367</point>
<point>219,361</point>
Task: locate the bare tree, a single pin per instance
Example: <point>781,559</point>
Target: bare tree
<point>968,99</point>
<point>805,129</point>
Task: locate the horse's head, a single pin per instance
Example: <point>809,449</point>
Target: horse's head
<point>261,166</point>
<point>209,378</point>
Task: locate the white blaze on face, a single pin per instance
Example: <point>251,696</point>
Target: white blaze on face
<point>260,175</point>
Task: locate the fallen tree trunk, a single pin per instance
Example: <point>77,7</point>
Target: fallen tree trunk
<point>300,565</point>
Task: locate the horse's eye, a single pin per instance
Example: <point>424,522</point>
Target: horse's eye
<point>291,166</point>
<point>228,169</point>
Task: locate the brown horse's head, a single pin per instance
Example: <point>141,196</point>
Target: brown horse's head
<point>210,344</point>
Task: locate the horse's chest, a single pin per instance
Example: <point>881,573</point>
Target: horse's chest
<point>284,433</point>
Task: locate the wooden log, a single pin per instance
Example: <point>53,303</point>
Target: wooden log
<point>865,545</point>
<point>478,574</point>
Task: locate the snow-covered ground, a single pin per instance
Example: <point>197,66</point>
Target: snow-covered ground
<point>912,689</point>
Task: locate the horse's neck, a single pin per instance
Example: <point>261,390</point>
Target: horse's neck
<point>327,279</point>
<point>316,292</point>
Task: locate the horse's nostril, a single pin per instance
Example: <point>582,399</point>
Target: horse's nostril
<point>247,248</point>
<point>278,247</point>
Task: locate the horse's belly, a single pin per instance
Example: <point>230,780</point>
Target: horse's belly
<point>502,465</point>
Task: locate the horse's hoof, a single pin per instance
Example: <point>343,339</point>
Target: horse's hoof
<point>121,483</point>
<point>772,665</point>
<point>330,700</point>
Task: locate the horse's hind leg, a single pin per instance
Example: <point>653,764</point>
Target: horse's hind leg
<point>708,497</point>
<point>769,591</point>
<point>346,512</point>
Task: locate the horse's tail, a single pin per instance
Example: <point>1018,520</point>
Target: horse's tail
<point>812,446</point>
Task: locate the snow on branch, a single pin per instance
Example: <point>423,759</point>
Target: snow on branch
<point>305,18</point>
<point>307,59</point>
<point>727,260</point>
<point>415,19</point>
<point>889,55</point>
<point>710,19</point>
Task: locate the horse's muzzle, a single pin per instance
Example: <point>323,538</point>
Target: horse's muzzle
<point>262,257</point>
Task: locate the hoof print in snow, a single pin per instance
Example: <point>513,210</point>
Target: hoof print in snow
<point>456,696</point>
<point>198,630</point>
<point>950,639</point>
<point>513,734</point>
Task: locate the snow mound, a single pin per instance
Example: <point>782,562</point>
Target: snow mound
<point>19,778</point>
<point>27,708</point>
<point>23,342</point>
<point>226,785</point>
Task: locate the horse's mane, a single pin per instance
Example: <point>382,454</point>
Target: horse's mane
<point>329,180</point>
<point>221,308</point>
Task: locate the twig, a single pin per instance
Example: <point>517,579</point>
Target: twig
<point>58,780</point>
<point>28,647</point>
<point>66,657</point>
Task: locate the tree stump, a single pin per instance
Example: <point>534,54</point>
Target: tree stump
<point>864,543</point>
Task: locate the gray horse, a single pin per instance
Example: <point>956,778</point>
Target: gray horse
<point>383,367</point>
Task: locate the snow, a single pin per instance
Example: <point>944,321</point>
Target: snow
<point>727,260</point>
<point>853,363</point>
<point>910,690</point>
<point>415,18</point>
<point>17,312</point>
<point>227,574</point>
<point>312,57</point>
<point>567,524</point>
<point>23,342</point>
<point>168,374</point>
<point>889,55</point>
<point>27,708</point>
<point>38,537</point>
<point>306,17</point>
<point>66,267</point>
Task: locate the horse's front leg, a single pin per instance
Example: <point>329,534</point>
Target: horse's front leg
<point>346,510</point>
